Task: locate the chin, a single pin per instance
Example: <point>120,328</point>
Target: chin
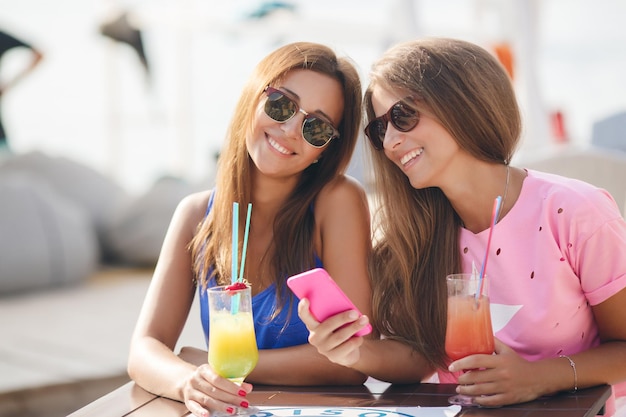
<point>418,185</point>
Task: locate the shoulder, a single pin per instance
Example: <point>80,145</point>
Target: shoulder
<point>558,184</point>
<point>341,192</point>
<point>578,197</point>
<point>192,208</point>
<point>195,201</point>
<point>342,205</point>
<point>343,186</point>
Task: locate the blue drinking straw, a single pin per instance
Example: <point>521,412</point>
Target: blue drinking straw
<point>233,277</point>
<point>245,242</point>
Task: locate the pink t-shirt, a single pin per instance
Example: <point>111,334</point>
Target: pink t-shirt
<point>559,251</point>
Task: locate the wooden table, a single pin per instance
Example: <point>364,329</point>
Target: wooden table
<point>131,400</point>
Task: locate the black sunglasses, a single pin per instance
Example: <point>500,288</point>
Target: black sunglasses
<point>402,116</point>
<point>279,107</point>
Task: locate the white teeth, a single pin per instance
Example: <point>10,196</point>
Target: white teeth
<point>279,148</point>
<point>413,154</point>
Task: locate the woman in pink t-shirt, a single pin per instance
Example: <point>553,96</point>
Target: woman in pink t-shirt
<point>443,126</point>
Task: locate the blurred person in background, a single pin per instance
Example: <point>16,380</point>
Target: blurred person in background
<point>7,43</point>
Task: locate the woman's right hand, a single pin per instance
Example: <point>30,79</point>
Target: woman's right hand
<point>339,344</point>
<point>206,391</point>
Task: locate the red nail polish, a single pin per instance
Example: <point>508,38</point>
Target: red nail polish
<point>244,404</point>
<point>230,410</point>
<point>242,393</point>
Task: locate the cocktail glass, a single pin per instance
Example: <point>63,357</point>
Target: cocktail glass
<point>469,328</point>
<point>233,351</point>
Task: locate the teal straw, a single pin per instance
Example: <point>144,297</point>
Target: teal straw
<point>245,242</point>
<point>233,277</point>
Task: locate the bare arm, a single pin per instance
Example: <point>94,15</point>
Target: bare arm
<point>384,359</point>
<point>510,379</point>
<point>393,361</point>
<point>276,367</point>
<point>165,310</point>
<point>343,214</point>
<point>343,243</point>
<point>605,364</point>
<point>301,365</point>
<point>152,362</point>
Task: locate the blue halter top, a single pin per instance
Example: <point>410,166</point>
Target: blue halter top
<point>284,330</point>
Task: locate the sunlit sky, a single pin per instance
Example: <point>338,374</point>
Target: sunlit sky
<point>89,99</point>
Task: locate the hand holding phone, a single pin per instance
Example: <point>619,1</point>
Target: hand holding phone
<point>325,297</point>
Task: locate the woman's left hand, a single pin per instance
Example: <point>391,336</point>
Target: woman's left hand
<point>500,379</point>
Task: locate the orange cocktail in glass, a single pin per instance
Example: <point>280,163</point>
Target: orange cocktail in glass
<point>469,330</point>
<point>469,327</point>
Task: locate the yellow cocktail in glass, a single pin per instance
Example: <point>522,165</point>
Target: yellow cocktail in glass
<point>232,346</point>
<point>233,351</point>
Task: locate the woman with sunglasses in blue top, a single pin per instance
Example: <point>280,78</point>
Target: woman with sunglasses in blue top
<point>289,143</point>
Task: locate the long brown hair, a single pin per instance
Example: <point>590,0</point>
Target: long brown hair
<point>470,94</point>
<point>292,248</point>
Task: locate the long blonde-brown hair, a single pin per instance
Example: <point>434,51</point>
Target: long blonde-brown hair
<point>292,248</point>
<point>470,94</point>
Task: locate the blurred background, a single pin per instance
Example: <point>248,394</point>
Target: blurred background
<point>126,113</point>
<point>92,100</point>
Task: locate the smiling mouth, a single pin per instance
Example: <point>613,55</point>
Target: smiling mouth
<point>411,155</point>
<point>279,148</point>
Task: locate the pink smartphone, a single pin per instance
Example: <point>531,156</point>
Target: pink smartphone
<point>325,297</point>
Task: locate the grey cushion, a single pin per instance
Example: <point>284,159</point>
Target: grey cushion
<point>136,234</point>
<point>598,166</point>
<point>46,240</point>
<point>610,132</point>
<point>97,194</point>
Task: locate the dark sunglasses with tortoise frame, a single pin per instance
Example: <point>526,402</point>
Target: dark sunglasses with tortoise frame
<point>402,116</point>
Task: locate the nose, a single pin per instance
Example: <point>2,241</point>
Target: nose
<point>293,126</point>
<point>392,138</point>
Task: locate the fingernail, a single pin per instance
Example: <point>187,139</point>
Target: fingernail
<point>242,393</point>
<point>244,404</point>
<point>353,315</point>
<point>230,410</point>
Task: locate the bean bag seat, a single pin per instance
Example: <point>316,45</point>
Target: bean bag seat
<point>46,240</point>
<point>97,194</point>
<point>599,166</point>
<point>136,234</point>
<point>610,132</point>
